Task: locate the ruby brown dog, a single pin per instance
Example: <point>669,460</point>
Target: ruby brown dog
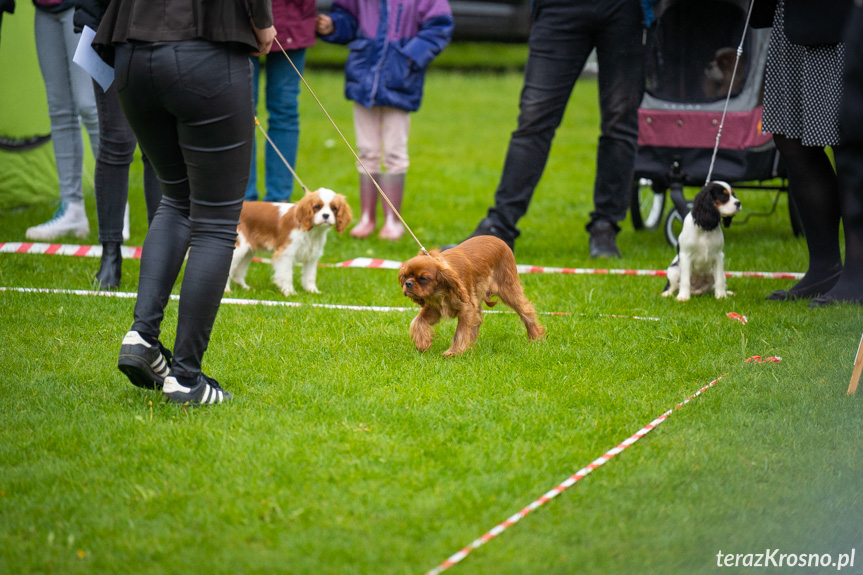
<point>293,233</point>
<point>455,283</point>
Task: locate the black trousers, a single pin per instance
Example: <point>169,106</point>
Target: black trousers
<point>190,105</point>
<point>849,158</point>
<point>563,35</point>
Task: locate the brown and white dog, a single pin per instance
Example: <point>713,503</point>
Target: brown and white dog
<point>455,282</point>
<point>717,75</point>
<point>293,233</point>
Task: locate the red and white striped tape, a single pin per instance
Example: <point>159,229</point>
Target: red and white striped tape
<point>128,252</point>
<point>569,482</point>
<point>369,263</point>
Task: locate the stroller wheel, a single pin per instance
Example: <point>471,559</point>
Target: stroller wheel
<point>673,226</point>
<point>646,205</point>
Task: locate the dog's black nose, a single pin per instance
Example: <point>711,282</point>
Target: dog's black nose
<point>737,204</point>
<point>327,216</point>
<point>409,284</point>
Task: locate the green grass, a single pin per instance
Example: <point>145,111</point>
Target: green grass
<point>345,451</point>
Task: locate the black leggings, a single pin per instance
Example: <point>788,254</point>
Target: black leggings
<point>190,105</point>
<point>815,191</point>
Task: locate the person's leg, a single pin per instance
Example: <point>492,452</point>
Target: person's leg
<point>395,129</point>
<point>143,359</point>
<point>559,44</point>
<point>815,191</point>
<point>849,167</point>
<point>168,237</point>
<point>620,59</point>
<point>367,125</point>
<point>116,150</point>
<point>82,84</point>
<point>252,186</point>
<point>283,90</point>
<point>215,127</point>
<point>65,129</point>
<point>152,188</point>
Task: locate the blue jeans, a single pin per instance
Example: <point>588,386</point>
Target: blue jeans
<point>562,37</point>
<point>70,96</point>
<point>283,119</point>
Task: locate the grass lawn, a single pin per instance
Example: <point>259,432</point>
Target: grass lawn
<point>345,451</point>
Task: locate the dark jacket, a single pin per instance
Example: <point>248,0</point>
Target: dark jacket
<point>173,21</point>
<point>88,13</point>
<point>807,22</point>
<point>392,42</point>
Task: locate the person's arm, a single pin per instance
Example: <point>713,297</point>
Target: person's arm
<point>265,39</point>
<point>339,27</point>
<point>261,16</point>
<point>88,13</point>
<point>433,36</point>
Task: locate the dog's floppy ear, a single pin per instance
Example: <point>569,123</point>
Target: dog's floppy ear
<point>344,214</point>
<point>704,211</point>
<point>448,278</point>
<point>304,213</point>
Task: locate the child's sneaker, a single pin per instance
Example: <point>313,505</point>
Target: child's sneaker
<point>206,391</point>
<point>69,219</point>
<point>145,365</point>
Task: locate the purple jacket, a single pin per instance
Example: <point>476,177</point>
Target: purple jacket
<point>392,42</point>
<point>295,23</point>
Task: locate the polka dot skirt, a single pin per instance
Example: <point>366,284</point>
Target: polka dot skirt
<point>802,88</point>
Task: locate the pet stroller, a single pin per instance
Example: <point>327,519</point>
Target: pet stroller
<point>690,60</point>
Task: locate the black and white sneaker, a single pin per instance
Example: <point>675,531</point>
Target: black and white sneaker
<point>145,365</point>
<point>206,391</point>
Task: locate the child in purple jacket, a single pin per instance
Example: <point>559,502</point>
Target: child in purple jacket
<point>392,43</point>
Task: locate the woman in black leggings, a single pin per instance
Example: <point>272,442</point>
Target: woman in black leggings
<point>184,79</point>
<point>802,91</point>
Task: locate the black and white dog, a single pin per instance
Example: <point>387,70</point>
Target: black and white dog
<point>698,266</point>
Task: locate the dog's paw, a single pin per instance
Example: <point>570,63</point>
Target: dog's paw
<point>288,292</point>
<point>667,293</point>
<point>312,289</point>
<point>682,297</point>
<point>724,294</point>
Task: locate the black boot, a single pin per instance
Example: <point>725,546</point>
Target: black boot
<point>108,276</point>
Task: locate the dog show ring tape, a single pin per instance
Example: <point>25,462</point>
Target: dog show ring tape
<point>129,252</point>
<point>563,486</point>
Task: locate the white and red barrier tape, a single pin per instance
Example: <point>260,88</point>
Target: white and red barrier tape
<point>569,482</point>
<point>280,303</point>
<point>368,263</point>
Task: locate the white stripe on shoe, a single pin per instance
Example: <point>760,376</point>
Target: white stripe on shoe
<point>134,338</point>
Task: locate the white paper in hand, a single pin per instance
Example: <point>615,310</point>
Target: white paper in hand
<point>86,57</point>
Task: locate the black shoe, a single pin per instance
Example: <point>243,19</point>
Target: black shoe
<point>111,264</point>
<point>206,391</point>
<point>814,290</point>
<point>487,228</point>
<point>144,364</point>
<point>602,240</point>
